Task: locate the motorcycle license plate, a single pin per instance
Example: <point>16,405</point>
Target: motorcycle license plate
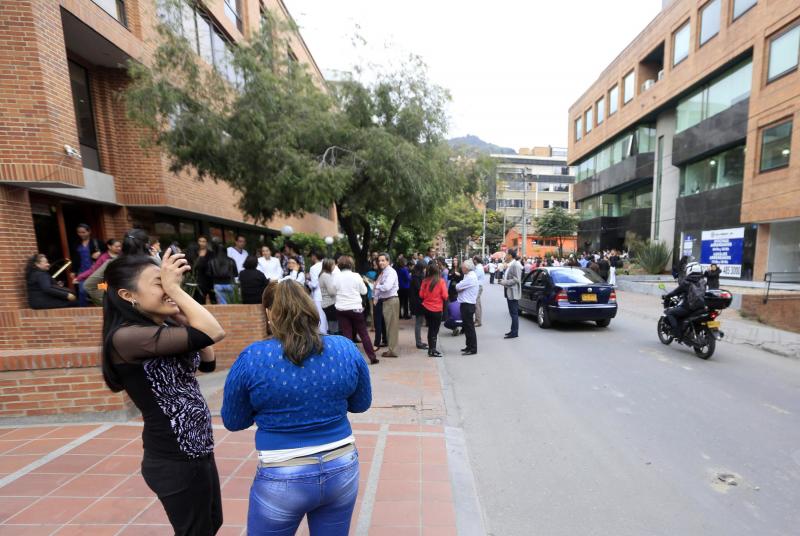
<point>589,297</point>
<point>713,324</point>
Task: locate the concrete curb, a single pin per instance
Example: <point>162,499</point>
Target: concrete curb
<point>647,287</point>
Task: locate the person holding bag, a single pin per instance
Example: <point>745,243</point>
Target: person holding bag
<point>433,294</point>
<point>155,338</point>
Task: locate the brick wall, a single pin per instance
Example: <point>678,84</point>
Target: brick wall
<point>17,243</point>
<point>38,116</point>
<point>779,312</point>
<point>50,360</point>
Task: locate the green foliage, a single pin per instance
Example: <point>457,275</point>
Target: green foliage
<point>461,221</point>
<point>557,223</point>
<point>306,243</point>
<point>653,256</point>
<point>375,150</point>
<point>494,230</point>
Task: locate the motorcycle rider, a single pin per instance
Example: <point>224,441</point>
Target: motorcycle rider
<point>691,289</point>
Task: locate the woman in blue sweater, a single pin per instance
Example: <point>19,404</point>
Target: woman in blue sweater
<point>297,388</point>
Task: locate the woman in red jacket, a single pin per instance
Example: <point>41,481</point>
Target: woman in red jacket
<point>433,294</point>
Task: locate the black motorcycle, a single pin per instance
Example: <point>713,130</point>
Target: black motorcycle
<point>701,329</point>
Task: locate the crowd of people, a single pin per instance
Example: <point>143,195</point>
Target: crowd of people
<point>605,263</point>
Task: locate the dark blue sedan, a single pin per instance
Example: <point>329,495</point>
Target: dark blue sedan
<point>567,294</point>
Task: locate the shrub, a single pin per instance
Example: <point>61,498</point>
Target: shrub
<point>653,256</point>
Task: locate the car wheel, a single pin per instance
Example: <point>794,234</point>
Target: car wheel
<point>543,316</point>
<point>603,323</point>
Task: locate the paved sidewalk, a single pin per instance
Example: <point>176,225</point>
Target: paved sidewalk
<point>84,479</point>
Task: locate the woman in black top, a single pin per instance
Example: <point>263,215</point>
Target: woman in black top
<point>43,293</point>
<point>155,337</point>
<point>199,255</point>
<point>712,277</point>
<point>251,281</point>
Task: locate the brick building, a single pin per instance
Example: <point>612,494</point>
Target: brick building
<point>69,155</point>
<point>690,137</point>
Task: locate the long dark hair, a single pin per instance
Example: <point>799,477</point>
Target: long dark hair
<point>432,272</point>
<point>121,273</point>
<point>136,242</point>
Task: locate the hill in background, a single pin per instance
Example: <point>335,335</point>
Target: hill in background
<point>472,145</point>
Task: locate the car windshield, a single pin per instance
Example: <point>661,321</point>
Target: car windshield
<point>575,275</point>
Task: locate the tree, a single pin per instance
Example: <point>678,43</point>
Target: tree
<point>494,230</point>
<point>557,223</point>
<point>461,222</point>
<point>374,151</point>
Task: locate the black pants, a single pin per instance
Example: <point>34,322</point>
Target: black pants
<point>468,325</point>
<point>188,490</point>
<point>674,314</point>
<point>513,311</point>
<point>404,309</point>
<point>433,320</point>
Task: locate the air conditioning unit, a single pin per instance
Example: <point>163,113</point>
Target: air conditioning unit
<point>661,74</point>
<point>648,84</point>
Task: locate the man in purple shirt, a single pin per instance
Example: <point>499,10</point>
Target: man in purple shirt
<point>385,293</point>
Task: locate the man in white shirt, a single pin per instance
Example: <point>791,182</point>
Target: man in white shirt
<point>316,292</point>
<point>468,289</point>
<point>481,279</point>
<point>386,293</point>
<point>492,271</point>
<point>269,265</point>
<point>238,253</point>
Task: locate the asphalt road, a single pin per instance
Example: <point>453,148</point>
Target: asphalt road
<point>580,430</point>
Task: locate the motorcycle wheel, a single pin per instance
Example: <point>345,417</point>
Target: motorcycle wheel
<point>708,343</point>
<point>663,332</point>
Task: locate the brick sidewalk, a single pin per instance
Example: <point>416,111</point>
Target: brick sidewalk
<point>84,479</point>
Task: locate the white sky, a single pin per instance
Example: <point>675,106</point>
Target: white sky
<point>513,67</point>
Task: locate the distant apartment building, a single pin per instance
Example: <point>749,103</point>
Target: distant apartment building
<point>689,137</point>
<point>527,185</point>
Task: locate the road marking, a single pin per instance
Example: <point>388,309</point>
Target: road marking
<point>368,502</point>
<point>8,479</point>
<point>777,409</point>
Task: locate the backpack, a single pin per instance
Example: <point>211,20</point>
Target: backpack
<point>695,296</point>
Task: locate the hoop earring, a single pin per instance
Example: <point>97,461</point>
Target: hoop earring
<point>133,304</point>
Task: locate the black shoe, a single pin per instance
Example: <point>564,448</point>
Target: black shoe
<point>434,353</point>
<point>507,334</point>
<point>465,349</point>
<point>422,347</point>
<point>469,352</point>
<point>510,336</point>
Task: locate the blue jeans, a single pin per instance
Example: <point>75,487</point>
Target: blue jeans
<point>325,492</point>
<point>513,310</point>
<point>224,293</point>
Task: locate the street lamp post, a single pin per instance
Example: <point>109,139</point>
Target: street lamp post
<point>329,243</point>
<point>524,218</point>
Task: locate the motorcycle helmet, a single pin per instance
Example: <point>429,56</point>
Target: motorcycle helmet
<point>693,268</point>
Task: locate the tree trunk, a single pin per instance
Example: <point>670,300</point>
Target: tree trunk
<point>393,233</point>
<point>359,250</point>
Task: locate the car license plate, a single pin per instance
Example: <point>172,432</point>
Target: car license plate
<point>589,297</point>
<point>713,324</point>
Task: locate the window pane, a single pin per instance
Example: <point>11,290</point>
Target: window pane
<point>220,52</point>
<point>783,53</point>
<point>189,28</point>
<point>578,129</point>
<point>740,6</point>
<point>699,177</point>
<point>84,116</point>
<point>731,167</point>
<point>588,121</point>
<point>729,90</point>
<point>644,198</point>
<point>613,100</point>
<point>776,146</point>
<point>680,45</point>
<point>601,110</point>
<point>709,21</point>
<point>204,32</point>
<point>690,111</point>
<point>628,84</point>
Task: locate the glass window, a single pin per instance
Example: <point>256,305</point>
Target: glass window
<point>613,100</point>
<point>232,11</point>
<point>659,172</point>
<point>783,53</point>
<point>722,93</point>
<point>204,33</point>
<point>776,146</point>
<point>627,202</point>
<point>601,110</point>
<point>680,44</point>
<point>115,8</point>
<point>220,51</point>
<point>710,17</point>
<point>628,87</point>
<point>741,6</point>
<point>719,171</point>
<point>644,197</point>
<point>84,116</point>
<point>578,129</point>
<point>575,275</point>
<point>588,118</point>
<point>189,26</point>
